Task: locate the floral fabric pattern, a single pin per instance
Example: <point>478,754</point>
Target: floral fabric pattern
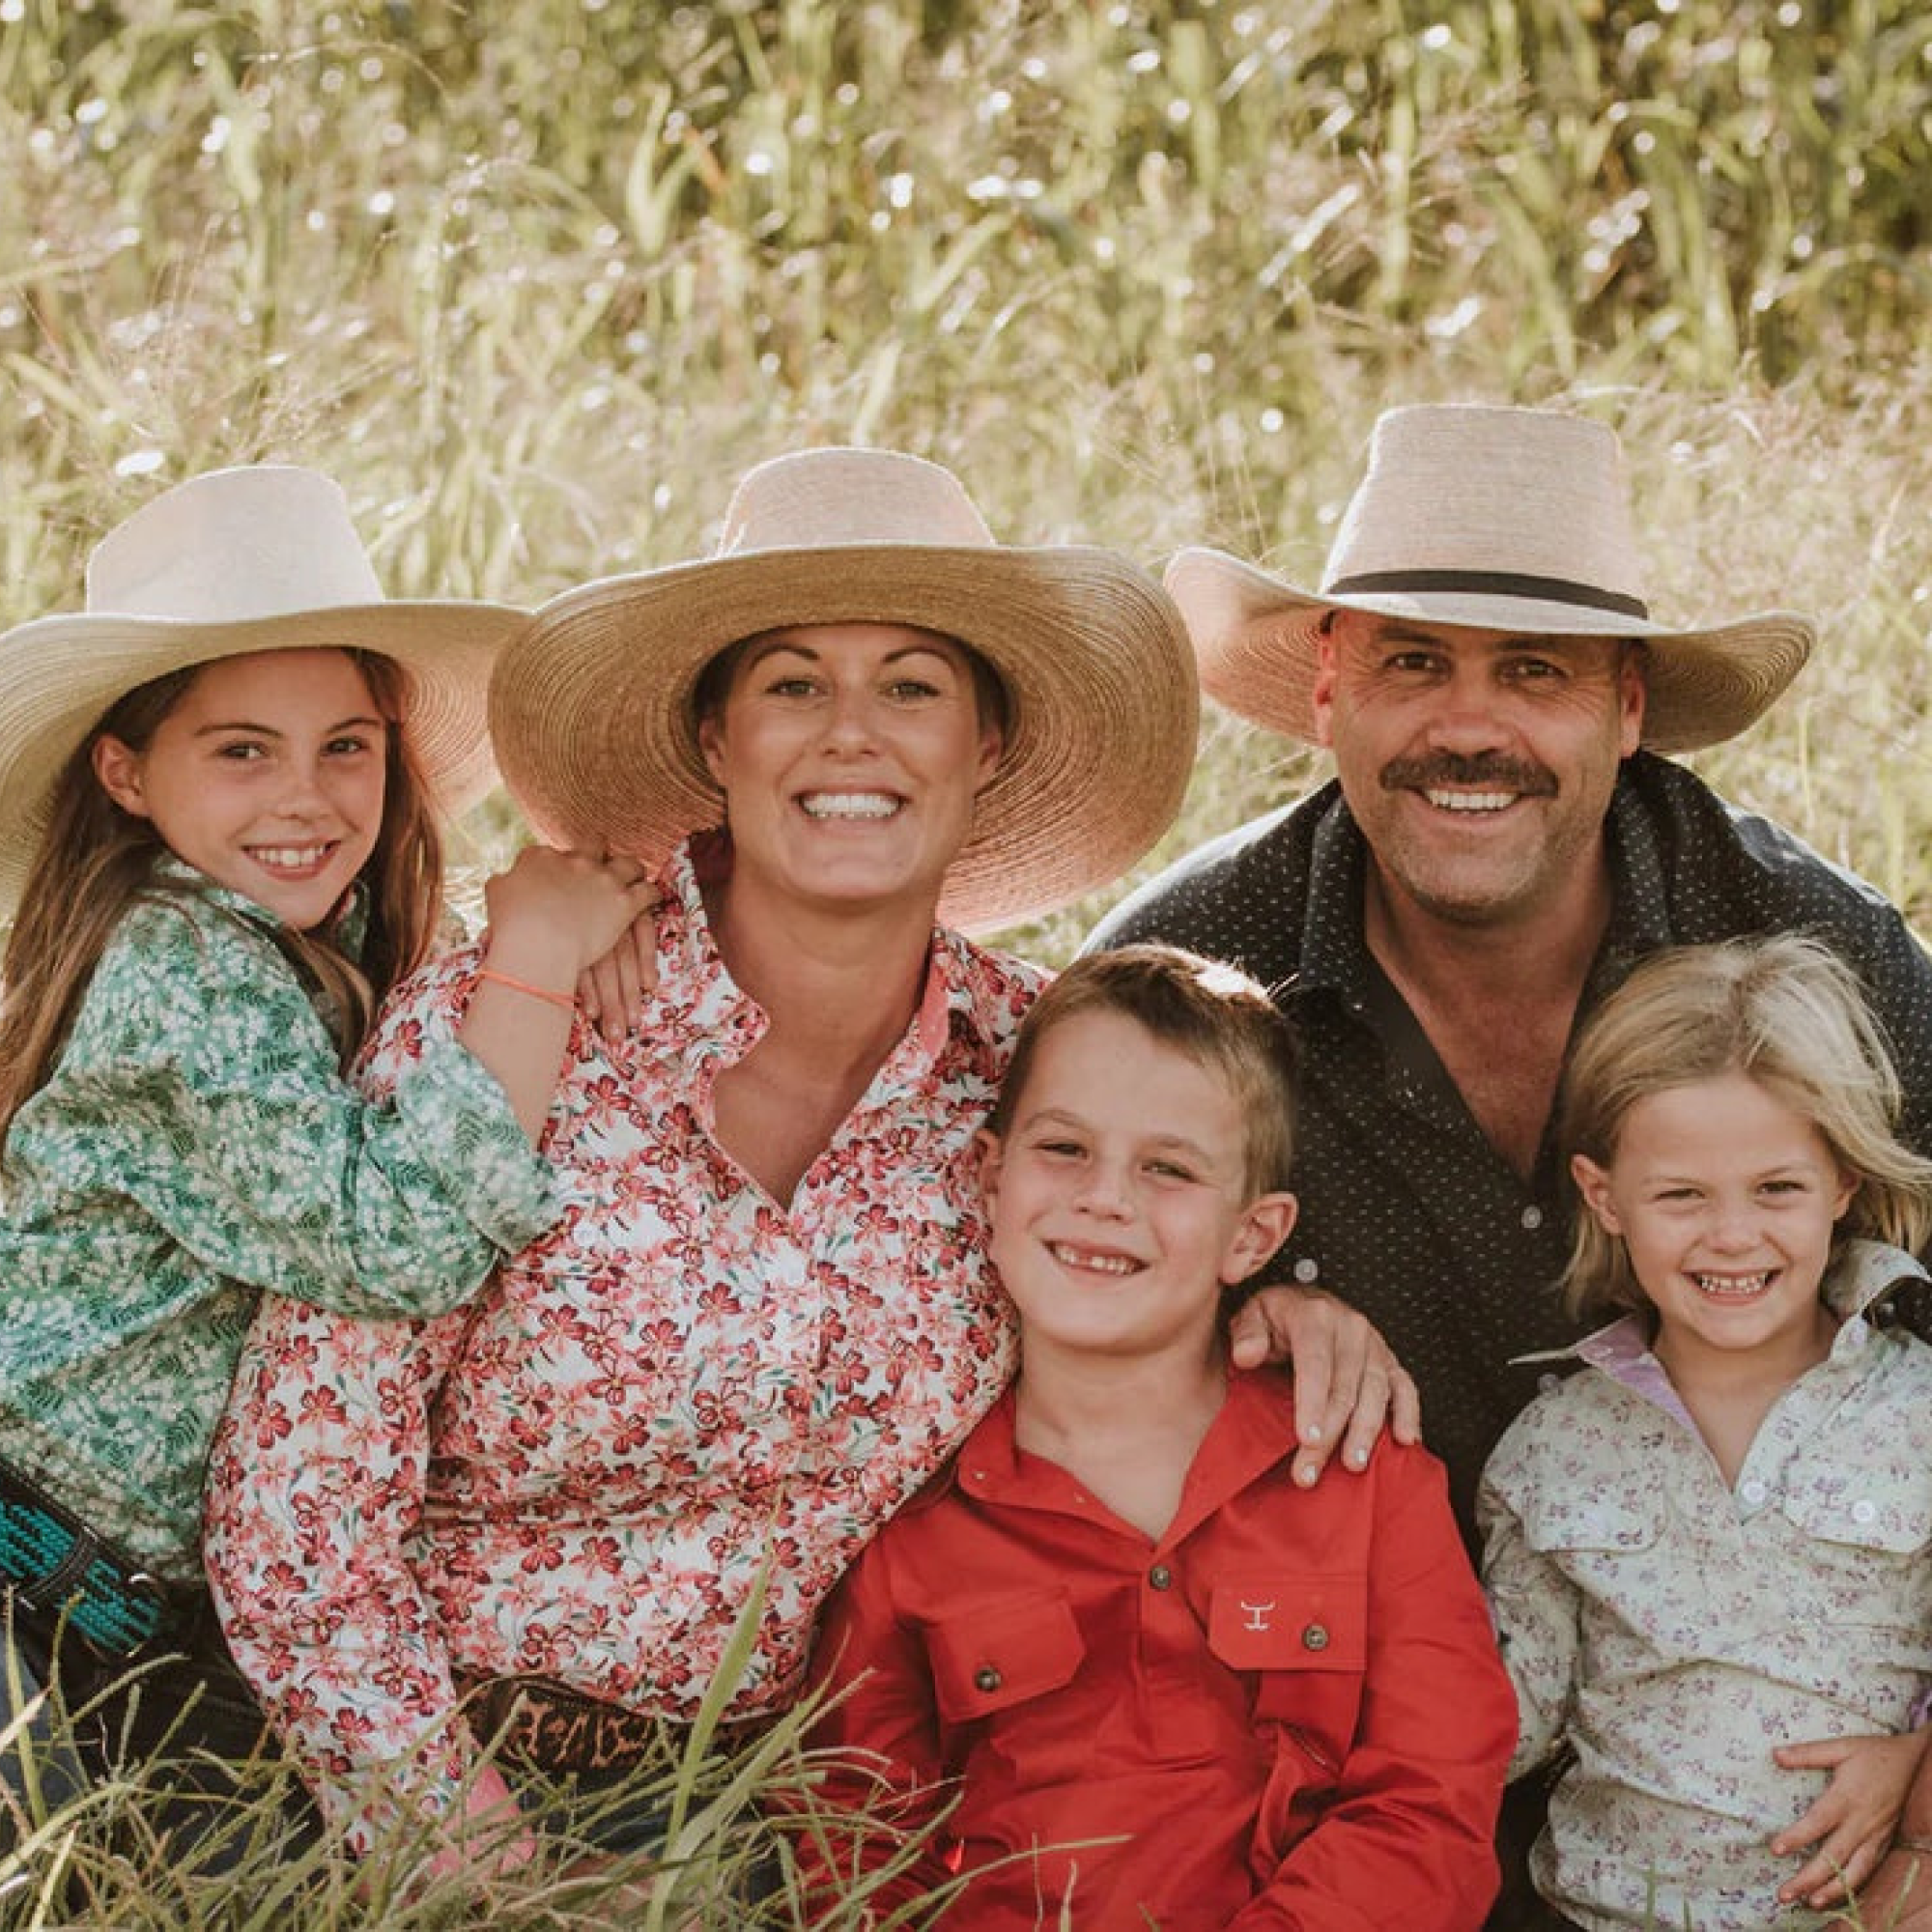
<point>194,1148</point>
<point>685,1393</point>
<point>1675,1629</point>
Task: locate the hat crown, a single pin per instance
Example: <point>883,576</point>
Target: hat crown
<point>262,540</point>
<point>1510,493</point>
<point>822,499</point>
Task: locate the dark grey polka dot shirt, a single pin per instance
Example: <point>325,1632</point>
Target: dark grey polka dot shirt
<point>1406,1210</point>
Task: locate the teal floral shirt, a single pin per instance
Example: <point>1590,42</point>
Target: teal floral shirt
<point>195,1148</point>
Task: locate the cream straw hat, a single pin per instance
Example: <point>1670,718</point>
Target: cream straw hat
<point>592,714</point>
<point>259,558</point>
<point>1499,519</point>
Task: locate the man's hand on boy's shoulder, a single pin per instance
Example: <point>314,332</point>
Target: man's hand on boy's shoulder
<point>1347,1384</point>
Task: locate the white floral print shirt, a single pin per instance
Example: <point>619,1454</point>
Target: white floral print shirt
<point>194,1147</point>
<point>585,1475</point>
<point>1673,1627</point>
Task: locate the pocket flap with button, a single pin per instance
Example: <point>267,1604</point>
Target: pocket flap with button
<point>1000,1651</point>
<point>1555,1517</point>
<point>1290,1623</point>
<point>1887,1508</point>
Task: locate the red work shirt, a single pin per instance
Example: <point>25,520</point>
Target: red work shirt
<point>1287,1710</point>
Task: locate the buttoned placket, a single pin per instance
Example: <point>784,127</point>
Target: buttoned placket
<point>1168,1625</point>
<point>1170,1602</point>
<point>1792,1420</point>
<point>1525,1219</point>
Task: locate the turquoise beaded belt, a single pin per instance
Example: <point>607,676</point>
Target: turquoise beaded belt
<point>52,1564</point>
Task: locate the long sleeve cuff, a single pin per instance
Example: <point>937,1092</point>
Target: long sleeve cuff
<point>464,1126</point>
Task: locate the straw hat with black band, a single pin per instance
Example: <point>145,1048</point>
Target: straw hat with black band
<point>261,557</point>
<point>591,707</point>
<point>1499,520</point>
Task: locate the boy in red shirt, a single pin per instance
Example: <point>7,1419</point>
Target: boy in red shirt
<point>1136,1674</point>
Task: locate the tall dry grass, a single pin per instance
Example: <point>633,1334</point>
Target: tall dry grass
<point>539,280</point>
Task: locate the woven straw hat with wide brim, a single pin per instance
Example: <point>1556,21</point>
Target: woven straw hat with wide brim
<point>591,706</point>
<point>1499,519</point>
<point>262,557</point>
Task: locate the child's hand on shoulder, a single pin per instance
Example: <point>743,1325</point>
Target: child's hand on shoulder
<point>554,914</point>
<point>1849,1827</point>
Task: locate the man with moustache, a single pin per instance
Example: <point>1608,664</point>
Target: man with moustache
<point>1504,837</point>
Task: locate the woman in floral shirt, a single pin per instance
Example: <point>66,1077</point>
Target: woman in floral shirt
<point>764,1315</point>
<point>220,841</point>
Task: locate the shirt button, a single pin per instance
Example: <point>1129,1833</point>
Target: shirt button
<point>1315,1637</point>
<point>987,1678</point>
<point>1532,1218</point>
<point>1161,1577</point>
<point>1753,1492</point>
<point>1548,1380</point>
<point>1865,1511</point>
<point>1307,1269</point>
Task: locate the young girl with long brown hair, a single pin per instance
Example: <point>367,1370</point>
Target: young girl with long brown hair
<point>219,788</point>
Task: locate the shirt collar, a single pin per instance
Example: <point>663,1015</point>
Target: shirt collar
<point>351,928</point>
<point>1866,1271</point>
<point>954,998</point>
<point>953,1001</point>
<point>1861,1273</point>
<point>695,994</point>
<point>1334,943</point>
<point>1639,891</point>
<point>1252,1433</point>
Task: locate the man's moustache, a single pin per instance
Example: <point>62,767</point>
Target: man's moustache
<point>1445,770</point>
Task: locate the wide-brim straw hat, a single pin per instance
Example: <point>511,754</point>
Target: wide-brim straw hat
<point>1499,519</point>
<point>591,707</point>
<point>261,557</point>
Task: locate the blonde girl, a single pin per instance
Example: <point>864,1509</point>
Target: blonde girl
<point>219,788</point>
<point>1710,1550</point>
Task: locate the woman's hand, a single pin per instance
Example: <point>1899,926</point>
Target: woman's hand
<point>1347,1383</point>
<point>487,1839</point>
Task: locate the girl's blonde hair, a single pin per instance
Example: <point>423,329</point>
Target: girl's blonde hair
<point>95,860</point>
<point>1788,1013</point>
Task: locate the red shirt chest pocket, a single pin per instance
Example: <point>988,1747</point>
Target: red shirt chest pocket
<point>1306,1639</point>
<point>1002,1651</point>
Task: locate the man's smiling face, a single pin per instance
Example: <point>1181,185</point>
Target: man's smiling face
<point>1479,764</point>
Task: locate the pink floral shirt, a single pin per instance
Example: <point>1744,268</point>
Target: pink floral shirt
<point>583,1474</point>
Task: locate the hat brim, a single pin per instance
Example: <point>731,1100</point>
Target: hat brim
<point>592,714</point>
<point>1257,640</point>
<point>59,675</point>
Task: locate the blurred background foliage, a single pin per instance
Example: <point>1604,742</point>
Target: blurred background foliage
<point>538,278</point>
